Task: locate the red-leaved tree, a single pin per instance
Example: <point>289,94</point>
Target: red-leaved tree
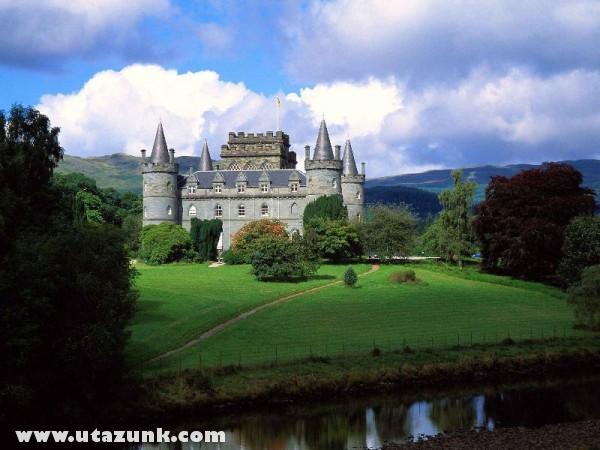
<point>521,222</point>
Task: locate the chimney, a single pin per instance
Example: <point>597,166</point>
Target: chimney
<point>171,155</point>
<point>363,164</point>
<point>143,155</point>
<point>336,154</point>
<point>306,152</point>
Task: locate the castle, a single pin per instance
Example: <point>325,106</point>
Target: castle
<point>256,178</point>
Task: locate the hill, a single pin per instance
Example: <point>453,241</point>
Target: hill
<point>423,203</point>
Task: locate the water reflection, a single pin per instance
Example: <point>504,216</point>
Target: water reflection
<point>369,422</point>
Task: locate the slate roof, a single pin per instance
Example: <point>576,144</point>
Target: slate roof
<point>278,177</point>
<point>323,150</point>
<point>160,153</point>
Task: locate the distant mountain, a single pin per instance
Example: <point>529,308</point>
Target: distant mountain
<point>437,180</point>
<point>121,172</point>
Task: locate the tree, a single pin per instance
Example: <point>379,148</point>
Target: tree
<point>205,237</point>
<point>522,220</point>
<point>336,240</point>
<point>277,259</point>
<point>244,242</point>
<point>164,243</point>
<point>66,289</point>
<point>581,247</point>
<point>585,298</point>
<point>388,231</point>
<point>325,207</point>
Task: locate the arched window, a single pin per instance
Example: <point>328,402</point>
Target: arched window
<point>234,166</point>
<point>241,210</point>
<point>145,212</point>
<point>169,211</point>
<point>264,209</point>
<point>293,209</point>
<point>192,211</point>
<point>334,182</point>
<point>218,210</point>
<point>358,195</point>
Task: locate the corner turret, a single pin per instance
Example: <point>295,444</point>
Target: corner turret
<point>323,171</point>
<point>205,159</point>
<point>353,185</point>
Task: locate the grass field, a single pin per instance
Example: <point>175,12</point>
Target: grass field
<point>178,302</point>
<point>448,307</point>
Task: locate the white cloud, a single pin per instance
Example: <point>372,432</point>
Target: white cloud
<point>483,118</point>
<point>45,33</point>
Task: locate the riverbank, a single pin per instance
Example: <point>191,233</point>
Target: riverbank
<point>195,392</point>
<point>576,435</point>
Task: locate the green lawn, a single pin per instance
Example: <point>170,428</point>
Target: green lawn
<point>447,308</point>
<point>178,302</point>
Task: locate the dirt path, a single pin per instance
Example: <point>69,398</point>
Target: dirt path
<point>246,314</point>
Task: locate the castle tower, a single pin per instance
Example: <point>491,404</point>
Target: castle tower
<point>323,171</point>
<point>353,185</point>
<point>205,159</point>
<point>159,175</point>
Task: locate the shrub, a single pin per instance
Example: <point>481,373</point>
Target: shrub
<point>403,276</point>
<point>350,277</point>
<point>326,207</point>
<point>205,237</point>
<point>581,247</point>
<point>164,243</point>
<point>278,259</point>
<point>336,240</point>
<point>245,241</point>
<point>232,257</point>
<point>585,298</point>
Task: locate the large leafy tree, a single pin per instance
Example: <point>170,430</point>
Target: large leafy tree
<point>325,207</point>
<point>244,242</point>
<point>388,231</point>
<point>205,237</point>
<point>65,288</point>
<point>451,234</point>
<point>522,221</point>
<point>164,243</point>
<point>336,240</point>
<point>581,247</point>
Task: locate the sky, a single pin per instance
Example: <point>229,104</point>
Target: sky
<point>414,84</point>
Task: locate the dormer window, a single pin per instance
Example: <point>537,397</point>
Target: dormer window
<point>241,188</point>
<point>191,189</point>
<point>294,187</point>
<point>264,187</point>
<point>217,188</point>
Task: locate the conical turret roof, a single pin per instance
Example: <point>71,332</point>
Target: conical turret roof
<point>160,152</point>
<point>348,161</point>
<point>323,150</point>
<point>205,159</point>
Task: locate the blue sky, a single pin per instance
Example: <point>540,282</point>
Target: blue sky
<point>416,84</point>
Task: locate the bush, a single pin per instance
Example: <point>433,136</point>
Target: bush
<point>403,276</point>
<point>205,237</point>
<point>336,240</point>
<point>581,247</point>
<point>164,243</point>
<point>232,257</point>
<point>245,241</point>
<point>277,259</point>
<point>350,277</point>
<point>585,298</point>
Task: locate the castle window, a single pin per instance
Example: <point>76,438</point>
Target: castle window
<point>267,166</point>
<point>293,209</point>
<point>264,187</point>
<point>145,212</point>
<point>192,211</point>
<point>217,188</point>
<point>358,195</point>
<point>169,211</point>
<point>294,187</point>
<point>218,211</point>
<point>334,183</point>
<point>241,211</point>
<point>191,189</point>
<point>358,216</point>
<point>241,188</point>
<point>146,187</point>
<point>264,209</point>
<point>234,166</point>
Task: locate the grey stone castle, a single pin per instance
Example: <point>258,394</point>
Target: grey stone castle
<point>256,178</point>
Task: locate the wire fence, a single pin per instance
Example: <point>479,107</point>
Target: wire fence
<point>280,353</point>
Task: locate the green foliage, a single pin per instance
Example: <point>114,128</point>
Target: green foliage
<point>66,288</point>
<point>423,203</point>
<point>350,277</point>
<point>205,237</point>
<point>164,243</point>
<point>585,298</point>
<point>245,241</point>
<point>451,236</point>
<point>232,257</point>
<point>581,247</point>
<point>277,259</point>
<point>403,276</point>
<point>90,205</point>
<point>333,239</point>
<point>326,207</point>
<point>388,231</point>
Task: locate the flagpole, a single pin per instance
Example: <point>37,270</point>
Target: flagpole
<point>277,106</point>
